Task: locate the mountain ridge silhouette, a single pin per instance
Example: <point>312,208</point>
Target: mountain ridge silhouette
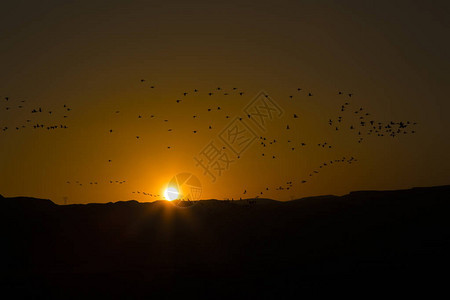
<point>380,241</point>
<point>319,197</point>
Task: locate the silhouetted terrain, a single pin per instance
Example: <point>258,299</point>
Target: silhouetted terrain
<point>362,243</point>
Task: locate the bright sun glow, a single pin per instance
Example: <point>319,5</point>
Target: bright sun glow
<point>171,193</point>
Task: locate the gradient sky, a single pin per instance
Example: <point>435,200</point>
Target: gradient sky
<point>393,56</point>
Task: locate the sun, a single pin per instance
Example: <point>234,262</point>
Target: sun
<point>171,194</point>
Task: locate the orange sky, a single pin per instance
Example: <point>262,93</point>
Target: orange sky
<point>91,56</point>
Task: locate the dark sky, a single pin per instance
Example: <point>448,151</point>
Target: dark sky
<point>91,56</point>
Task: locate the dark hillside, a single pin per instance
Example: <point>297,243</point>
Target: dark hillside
<point>378,241</point>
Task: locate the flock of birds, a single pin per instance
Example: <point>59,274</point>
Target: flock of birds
<point>35,116</point>
<point>293,145</point>
<point>216,91</point>
<point>147,194</point>
<point>290,184</point>
<point>110,182</point>
<point>349,118</point>
<point>363,124</point>
<point>80,183</point>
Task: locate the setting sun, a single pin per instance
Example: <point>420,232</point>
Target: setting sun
<point>171,194</point>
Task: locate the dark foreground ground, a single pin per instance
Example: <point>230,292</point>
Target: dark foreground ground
<point>388,243</point>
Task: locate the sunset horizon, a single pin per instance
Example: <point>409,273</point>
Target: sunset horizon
<point>257,149</point>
